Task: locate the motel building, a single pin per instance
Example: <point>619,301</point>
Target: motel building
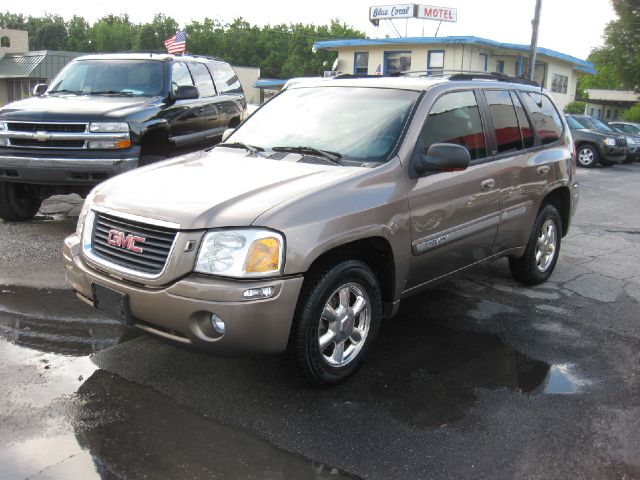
<point>436,56</point>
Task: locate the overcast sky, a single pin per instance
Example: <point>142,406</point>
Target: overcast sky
<point>573,27</point>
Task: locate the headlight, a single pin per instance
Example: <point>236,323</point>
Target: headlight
<point>630,141</point>
<point>610,141</point>
<point>243,253</point>
<point>3,126</point>
<point>108,144</point>
<point>86,208</point>
<point>109,127</point>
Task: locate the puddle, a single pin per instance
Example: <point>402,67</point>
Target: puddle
<point>55,321</point>
<point>562,379</point>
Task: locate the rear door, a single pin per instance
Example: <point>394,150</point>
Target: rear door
<point>454,215</point>
<point>227,83</point>
<point>527,144</point>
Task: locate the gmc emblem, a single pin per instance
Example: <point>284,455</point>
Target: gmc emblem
<point>119,239</point>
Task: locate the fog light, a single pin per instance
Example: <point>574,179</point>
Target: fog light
<point>217,323</point>
<point>255,293</point>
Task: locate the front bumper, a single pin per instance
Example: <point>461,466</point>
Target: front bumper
<point>180,312</point>
<point>62,169</point>
<point>614,154</point>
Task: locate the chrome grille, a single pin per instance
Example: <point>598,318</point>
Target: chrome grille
<point>46,127</point>
<point>155,248</point>
<point>621,142</point>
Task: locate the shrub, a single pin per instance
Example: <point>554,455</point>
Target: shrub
<point>575,107</point>
<point>633,114</point>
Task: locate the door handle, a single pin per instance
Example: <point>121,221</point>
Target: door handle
<point>487,184</point>
<point>543,170</point>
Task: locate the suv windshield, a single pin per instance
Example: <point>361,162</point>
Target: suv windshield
<point>114,77</point>
<point>599,125</point>
<point>356,123</point>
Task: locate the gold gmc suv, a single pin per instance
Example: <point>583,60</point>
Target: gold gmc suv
<point>323,210</point>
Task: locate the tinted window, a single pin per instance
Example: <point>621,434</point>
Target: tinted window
<point>523,122</point>
<point>203,79</point>
<point>180,76</point>
<point>574,123</point>
<point>505,122</point>
<point>455,118</point>
<point>225,78</point>
<point>546,119</point>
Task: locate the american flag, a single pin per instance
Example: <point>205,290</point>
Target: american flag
<point>177,43</point>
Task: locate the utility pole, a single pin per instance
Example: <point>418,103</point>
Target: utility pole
<point>534,39</point>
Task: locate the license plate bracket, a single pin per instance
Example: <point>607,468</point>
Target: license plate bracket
<point>112,303</point>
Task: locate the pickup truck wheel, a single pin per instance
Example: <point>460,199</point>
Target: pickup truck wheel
<point>19,201</point>
<point>541,255</point>
<point>587,156</point>
<point>337,319</point>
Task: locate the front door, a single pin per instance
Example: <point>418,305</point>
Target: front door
<point>454,215</point>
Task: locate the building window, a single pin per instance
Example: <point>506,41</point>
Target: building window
<point>591,112</point>
<point>559,83</point>
<point>435,62</point>
<point>500,66</point>
<point>397,62</point>
<point>485,64</point>
<point>361,63</point>
<point>5,42</point>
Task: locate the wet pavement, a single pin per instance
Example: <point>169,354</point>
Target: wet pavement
<point>476,378</point>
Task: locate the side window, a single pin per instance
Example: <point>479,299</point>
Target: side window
<point>180,76</point>
<point>203,79</point>
<point>523,122</point>
<point>545,117</point>
<point>455,118</point>
<point>505,123</point>
<point>224,77</point>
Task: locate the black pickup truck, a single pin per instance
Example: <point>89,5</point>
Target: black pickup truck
<point>107,114</point>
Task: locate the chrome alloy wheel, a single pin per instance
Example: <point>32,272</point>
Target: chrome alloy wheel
<point>546,245</point>
<point>344,324</point>
<point>586,157</point>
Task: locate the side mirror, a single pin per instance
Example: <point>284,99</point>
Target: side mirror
<point>227,133</point>
<point>39,89</point>
<point>444,157</point>
<point>186,92</point>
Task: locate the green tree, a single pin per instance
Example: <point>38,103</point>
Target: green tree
<point>78,38</point>
<point>633,114</point>
<point>151,36</point>
<point>575,107</point>
<point>607,77</point>
<point>15,21</point>
<point>47,33</point>
<point>622,37</point>
<point>113,33</point>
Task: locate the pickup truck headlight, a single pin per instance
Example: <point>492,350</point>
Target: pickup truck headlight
<point>3,128</point>
<point>241,253</point>
<point>610,141</point>
<point>109,127</point>
<point>630,141</point>
<point>86,208</point>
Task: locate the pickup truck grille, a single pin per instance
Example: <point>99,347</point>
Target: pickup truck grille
<point>621,142</point>
<point>46,127</point>
<point>111,241</point>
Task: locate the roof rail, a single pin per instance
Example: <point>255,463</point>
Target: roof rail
<point>500,77</point>
<point>350,75</point>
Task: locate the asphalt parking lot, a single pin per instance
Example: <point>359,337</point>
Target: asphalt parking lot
<point>476,378</point>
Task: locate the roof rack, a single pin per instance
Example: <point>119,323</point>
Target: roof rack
<point>500,77</point>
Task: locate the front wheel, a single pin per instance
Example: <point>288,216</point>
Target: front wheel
<point>543,248</point>
<point>19,201</point>
<point>337,319</point>
<point>587,156</point>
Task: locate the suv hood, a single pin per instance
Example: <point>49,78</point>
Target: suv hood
<point>219,188</point>
<point>73,107</point>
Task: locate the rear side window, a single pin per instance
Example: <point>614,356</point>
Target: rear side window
<point>546,119</point>
<point>525,127</point>
<point>203,79</point>
<point>455,118</point>
<point>224,77</point>
<point>505,122</point>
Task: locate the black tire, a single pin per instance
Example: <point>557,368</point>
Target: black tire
<point>312,364</point>
<point>527,269</point>
<point>145,160</point>
<point>587,156</point>
<point>19,201</point>
<point>606,163</point>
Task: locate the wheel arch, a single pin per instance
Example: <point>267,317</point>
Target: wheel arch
<point>560,198</point>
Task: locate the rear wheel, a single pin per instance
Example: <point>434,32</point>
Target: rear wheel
<point>337,319</point>
<point>587,156</point>
<point>543,248</point>
<point>19,201</point>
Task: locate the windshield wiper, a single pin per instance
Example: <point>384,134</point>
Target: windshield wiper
<point>110,92</point>
<point>251,148</point>
<point>333,157</point>
<point>75,92</point>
